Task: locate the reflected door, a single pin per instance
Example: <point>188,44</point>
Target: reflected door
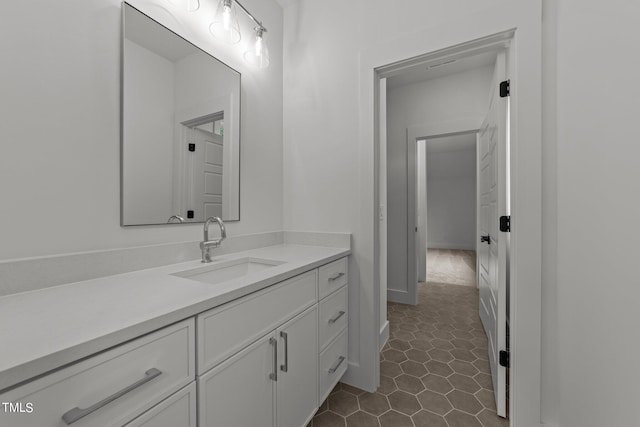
<point>207,175</point>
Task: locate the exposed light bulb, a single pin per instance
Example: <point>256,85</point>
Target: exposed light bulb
<point>259,55</point>
<point>225,24</point>
<point>259,45</point>
<point>226,17</point>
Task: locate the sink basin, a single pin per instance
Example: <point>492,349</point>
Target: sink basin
<point>227,270</point>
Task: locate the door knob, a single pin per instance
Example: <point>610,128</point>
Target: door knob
<point>486,238</point>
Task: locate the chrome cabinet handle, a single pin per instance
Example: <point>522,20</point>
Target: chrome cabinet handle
<point>285,366</point>
<point>337,316</point>
<point>336,365</point>
<point>76,413</point>
<point>274,375</point>
<point>336,276</point>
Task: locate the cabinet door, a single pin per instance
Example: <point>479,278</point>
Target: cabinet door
<point>297,385</point>
<point>240,392</point>
<point>176,410</point>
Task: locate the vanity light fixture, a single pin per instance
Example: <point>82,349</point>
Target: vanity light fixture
<point>225,27</point>
<point>225,24</point>
<point>258,55</point>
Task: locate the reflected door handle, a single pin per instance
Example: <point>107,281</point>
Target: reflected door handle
<point>486,238</point>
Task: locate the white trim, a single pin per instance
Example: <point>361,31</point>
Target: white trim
<point>414,134</point>
<point>384,334</point>
<point>524,18</point>
<point>401,297</point>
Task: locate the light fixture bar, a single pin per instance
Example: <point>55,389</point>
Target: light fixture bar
<point>253,18</point>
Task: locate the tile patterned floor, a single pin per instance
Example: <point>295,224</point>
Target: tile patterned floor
<point>434,369</point>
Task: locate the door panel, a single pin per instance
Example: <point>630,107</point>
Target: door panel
<point>239,392</point>
<point>297,385</point>
<point>493,254</point>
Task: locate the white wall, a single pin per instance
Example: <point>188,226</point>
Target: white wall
<point>597,213</point>
<point>589,297</point>
<point>451,198</point>
<point>60,125</point>
<point>457,97</point>
<point>149,102</point>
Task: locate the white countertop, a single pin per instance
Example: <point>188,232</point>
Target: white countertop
<point>50,328</point>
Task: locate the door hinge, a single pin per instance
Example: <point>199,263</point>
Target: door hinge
<point>505,358</point>
<point>192,147</point>
<point>505,223</point>
<point>505,88</point>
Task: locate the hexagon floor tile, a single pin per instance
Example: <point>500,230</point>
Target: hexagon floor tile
<point>434,367</point>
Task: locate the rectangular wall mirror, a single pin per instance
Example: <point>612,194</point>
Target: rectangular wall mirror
<point>180,149</point>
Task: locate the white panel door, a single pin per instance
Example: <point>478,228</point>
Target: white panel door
<point>493,249</point>
<point>240,392</point>
<point>297,385</point>
<point>207,175</point>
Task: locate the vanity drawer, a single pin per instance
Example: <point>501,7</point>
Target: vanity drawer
<point>227,329</point>
<point>333,316</point>
<point>111,388</point>
<point>332,276</point>
<point>178,410</point>
<point>333,364</point>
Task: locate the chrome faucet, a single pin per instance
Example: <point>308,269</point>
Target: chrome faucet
<point>206,243</point>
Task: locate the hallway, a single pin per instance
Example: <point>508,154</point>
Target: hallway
<point>434,369</point>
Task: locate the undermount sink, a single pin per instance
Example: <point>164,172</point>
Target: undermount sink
<point>227,270</point>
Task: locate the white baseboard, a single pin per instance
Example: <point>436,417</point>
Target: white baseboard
<point>401,297</point>
<point>384,334</point>
<point>357,377</point>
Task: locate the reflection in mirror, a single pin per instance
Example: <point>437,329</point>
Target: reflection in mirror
<point>180,129</point>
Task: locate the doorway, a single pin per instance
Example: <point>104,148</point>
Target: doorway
<point>521,23</point>
<point>464,97</point>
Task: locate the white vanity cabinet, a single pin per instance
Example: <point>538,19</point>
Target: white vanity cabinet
<point>260,356</point>
<point>111,388</point>
<point>240,391</point>
<point>267,359</point>
<point>296,390</point>
<point>269,383</point>
<point>177,410</point>
<point>332,326</point>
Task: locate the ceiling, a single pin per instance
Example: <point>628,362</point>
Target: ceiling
<point>422,72</point>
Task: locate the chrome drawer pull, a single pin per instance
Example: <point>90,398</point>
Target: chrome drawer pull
<point>274,375</point>
<point>337,365</point>
<point>285,366</point>
<point>336,276</point>
<point>76,413</point>
<point>335,319</point>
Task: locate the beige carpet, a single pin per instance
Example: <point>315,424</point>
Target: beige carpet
<point>453,267</point>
